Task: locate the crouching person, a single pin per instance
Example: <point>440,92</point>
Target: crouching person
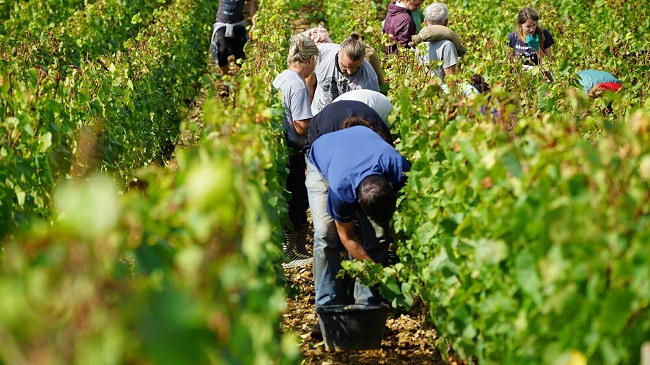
<point>595,83</point>
<point>352,174</point>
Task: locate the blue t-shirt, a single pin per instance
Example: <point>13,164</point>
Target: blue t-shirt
<point>348,156</point>
<point>591,78</point>
<point>331,118</point>
<point>522,49</point>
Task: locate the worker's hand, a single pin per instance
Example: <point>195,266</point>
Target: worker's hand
<point>390,259</point>
<point>533,41</point>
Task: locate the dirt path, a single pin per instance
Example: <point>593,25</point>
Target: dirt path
<point>406,340</point>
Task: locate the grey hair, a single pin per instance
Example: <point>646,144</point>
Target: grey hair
<point>353,47</point>
<point>301,48</point>
<point>319,34</point>
<point>436,13</point>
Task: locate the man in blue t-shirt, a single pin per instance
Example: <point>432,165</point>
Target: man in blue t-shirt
<point>352,175</point>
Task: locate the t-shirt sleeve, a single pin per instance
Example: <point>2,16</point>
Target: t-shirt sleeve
<point>548,39</point>
<point>450,55</point>
<point>338,209</point>
<point>404,28</point>
<point>395,170</point>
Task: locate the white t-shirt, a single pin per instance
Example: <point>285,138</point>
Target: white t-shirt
<point>332,83</point>
<point>376,100</point>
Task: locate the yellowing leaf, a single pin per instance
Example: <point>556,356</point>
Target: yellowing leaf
<point>573,358</point>
<point>45,142</point>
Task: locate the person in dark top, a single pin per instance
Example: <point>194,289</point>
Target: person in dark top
<point>530,41</point>
<point>229,33</point>
<point>331,119</point>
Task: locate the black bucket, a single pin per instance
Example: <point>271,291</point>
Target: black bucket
<point>352,327</point>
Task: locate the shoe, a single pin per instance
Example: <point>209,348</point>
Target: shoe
<point>316,333</point>
<point>295,255</point>
<point>295,244</point>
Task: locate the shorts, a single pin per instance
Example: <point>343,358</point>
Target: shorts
<point>222,47</point>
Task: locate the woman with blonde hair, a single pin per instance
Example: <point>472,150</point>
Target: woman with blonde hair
<point>301,61</point>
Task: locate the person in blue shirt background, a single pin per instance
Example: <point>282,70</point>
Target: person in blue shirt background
<point>595,83</point>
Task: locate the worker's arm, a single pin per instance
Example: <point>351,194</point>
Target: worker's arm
<point>311,82</point>
<point>350,241</point>
<point>251,10</point>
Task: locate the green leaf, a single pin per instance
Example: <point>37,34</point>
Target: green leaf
<point>136,19</point>
<point>511,163</point>
<point>616,310</point>
<point>44,141</point>
<point>527,276</point>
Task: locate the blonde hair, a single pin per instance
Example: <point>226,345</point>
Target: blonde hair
<point>353,47</point>
<point>301,48</point>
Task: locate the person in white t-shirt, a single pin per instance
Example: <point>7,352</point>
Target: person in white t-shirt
<point>340,68</point>
<point>303,55</point>
<point>376,100</point>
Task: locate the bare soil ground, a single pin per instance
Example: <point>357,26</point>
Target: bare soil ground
<point>407,338</point>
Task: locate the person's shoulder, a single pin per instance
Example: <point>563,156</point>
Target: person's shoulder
<point>280,79</point>
<point>287,76</point>
<point>448,43</point>
<point>327,51</point>
<point>548,38</point>
<point>399,15</point>
<point>513,38</point>
<point>368,69</point>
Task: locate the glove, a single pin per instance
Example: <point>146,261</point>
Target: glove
<point>533,41</point>
<point>390,259</point>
